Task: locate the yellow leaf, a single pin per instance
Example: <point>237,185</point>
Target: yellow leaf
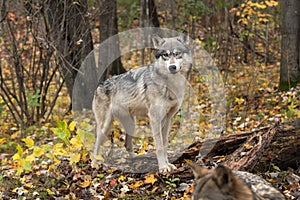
<point>150,179</point>
<point>29,142</point>
<point>4,161</point>
<point>28,185</point>
<point>19,171</point>
<point>121,178</point>
<point>271,180</point>
<point>154,189</point>
<point>116,133</point>
<point>233,10</point>
<point>261,5</point>
<point>16,156</point>
<point>56,162</point>
<point>250,3</point>
<point>37,151</point>
<point>59,150</point>
<point>243,21</point>
<point>76,143</point>
<point>264,20</point>
<point>30,158</point>
<point>111,170</point>
<point>72,126</point>
<point>144,149</point>
<point>75,158</point>
<point>85,183</point>
<point>222,158</point>
<point>56,118</point>
<point>49,191</point>
<point>239,100</point>
<point>271,3</point>
<point>15,135</point>
<point>84,155</point>
<point>248,146</point>
<point>115,123</point>
<point>47,124</point>
<point>136,185</point>
<point>19,149</point>
<point>2,140</point>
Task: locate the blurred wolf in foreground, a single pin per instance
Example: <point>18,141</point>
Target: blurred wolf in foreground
<point>155,91</point>
<point>223,184</point>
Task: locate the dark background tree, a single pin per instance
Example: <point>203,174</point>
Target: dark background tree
<point>290,44</point>
<point>108,28</point>
<point>148,18</point>
<point>70,31</point>
<point>29,79</point>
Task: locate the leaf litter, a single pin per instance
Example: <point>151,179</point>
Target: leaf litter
<point>51,160</point>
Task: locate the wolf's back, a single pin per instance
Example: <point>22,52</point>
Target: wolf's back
<point>260,187</point>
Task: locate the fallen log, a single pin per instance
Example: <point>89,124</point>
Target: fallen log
<point>278,144</point>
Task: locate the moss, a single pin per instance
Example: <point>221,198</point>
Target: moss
<point>285,86</point>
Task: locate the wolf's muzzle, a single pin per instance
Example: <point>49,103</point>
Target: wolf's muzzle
<point>172,69</point>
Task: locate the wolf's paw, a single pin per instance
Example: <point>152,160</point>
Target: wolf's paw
<point>167,168</point>
<point>95,164</point>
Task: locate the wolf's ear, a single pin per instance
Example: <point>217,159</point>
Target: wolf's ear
<point>184,38</point>
<point>224,178</point>
<point>157,41</point>
<point>198,171</point>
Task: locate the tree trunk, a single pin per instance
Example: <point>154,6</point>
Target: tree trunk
<point>148,18</point>
<point>153,17</point>
<point>290,44</point>
<point>73,42</point>
<point>110,49</point>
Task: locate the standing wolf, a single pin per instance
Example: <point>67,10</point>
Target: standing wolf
<point>155,91</point>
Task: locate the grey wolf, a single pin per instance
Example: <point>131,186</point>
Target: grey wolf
<point>156,91</point>
<point>223,184</point>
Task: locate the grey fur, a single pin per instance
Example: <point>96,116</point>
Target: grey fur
<point>155,91</point>
<point>222,183</point>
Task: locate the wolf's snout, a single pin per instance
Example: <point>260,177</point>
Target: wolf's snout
<point>172,68</point>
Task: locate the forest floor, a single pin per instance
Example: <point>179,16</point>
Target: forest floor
<point>51,159</point>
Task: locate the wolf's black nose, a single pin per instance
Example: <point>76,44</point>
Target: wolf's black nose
<point>172,68</point>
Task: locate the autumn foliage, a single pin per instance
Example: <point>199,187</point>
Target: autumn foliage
<point>45,150</point>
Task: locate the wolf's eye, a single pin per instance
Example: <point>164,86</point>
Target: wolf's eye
<point>166,55</point>
<point>177,54</point>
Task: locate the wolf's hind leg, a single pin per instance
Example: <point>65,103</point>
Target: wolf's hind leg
<point>128,123</point>
<point>103,120</point>
<point>102,134</point>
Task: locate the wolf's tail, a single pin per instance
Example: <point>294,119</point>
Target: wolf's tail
<point>101,106</point>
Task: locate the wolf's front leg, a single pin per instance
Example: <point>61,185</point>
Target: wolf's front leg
<point>165,135</point>
<point>156,116</point>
